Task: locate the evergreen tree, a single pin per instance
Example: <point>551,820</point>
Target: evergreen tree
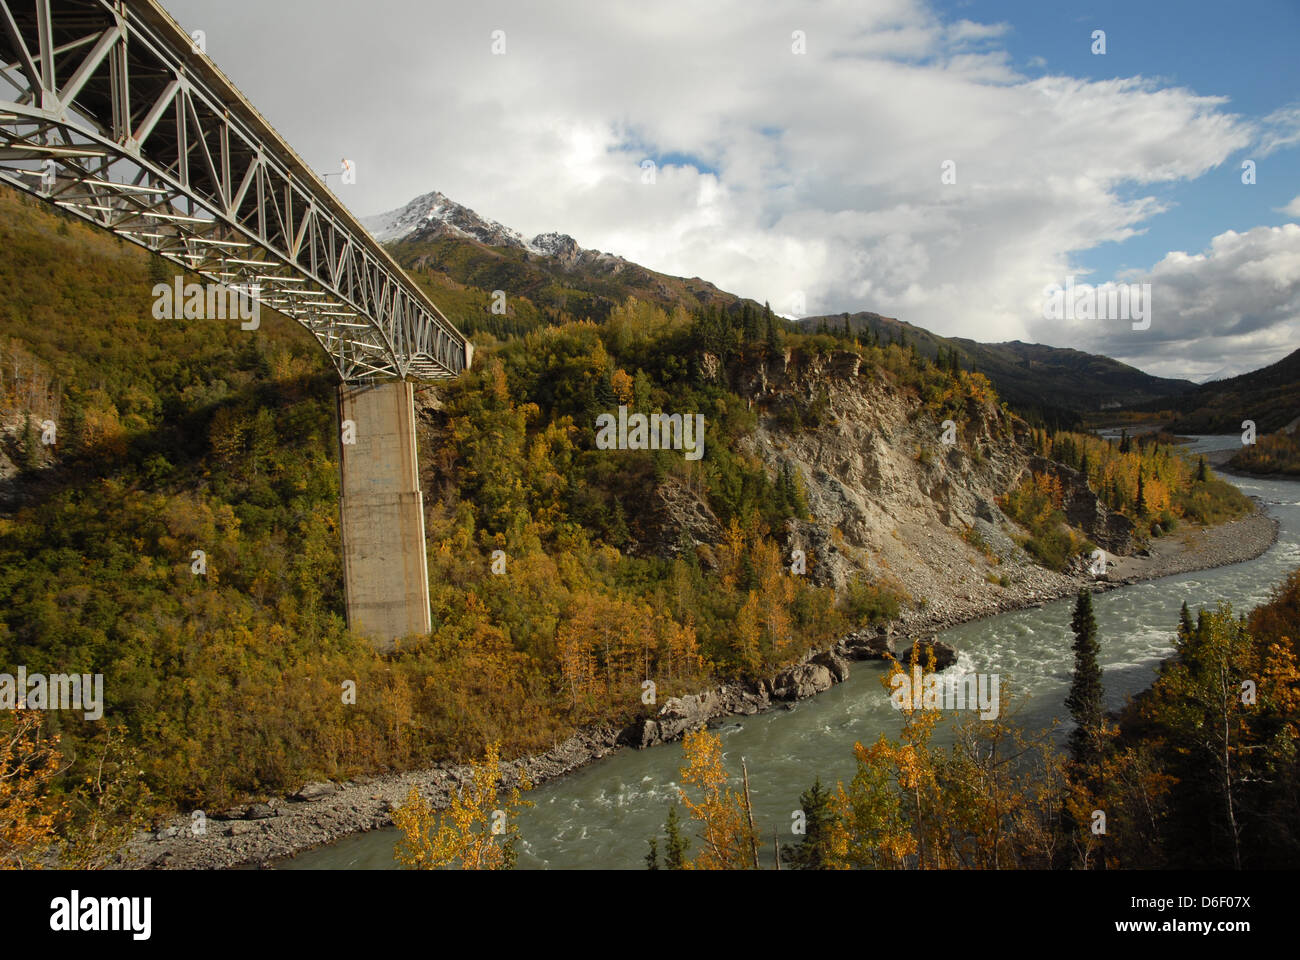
<point>1084,701</point>
<point>789,498</point>
<point>160,271</point>
<point>1141,504</point>
<point>1125,444</point>
<point>677,844</point>
<point>773,337</point>
<point>652,858</point>
<point>813,850</point>
<point>1202,474</point>
<point>1185,628</point>
<point>749,322</point>
<point>31,446</point>
<point>616,530</point>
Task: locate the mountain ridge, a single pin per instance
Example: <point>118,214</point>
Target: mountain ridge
<point>1270,396</point>
<point>460,256</point>
<point>435,213</point>
<point>1025,374</point>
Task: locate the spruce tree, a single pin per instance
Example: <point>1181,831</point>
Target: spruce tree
<point>30,458</point>
<point>1084,701</point>
<point>813,850</point>
<point>1201,474</point>
<point>1185,628</point>
<point>749,322</point>
<point>675,849</point>
<point>773,338</point>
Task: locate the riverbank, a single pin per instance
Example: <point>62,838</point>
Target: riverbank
<point>323,813</point>
<point>1218,459</point>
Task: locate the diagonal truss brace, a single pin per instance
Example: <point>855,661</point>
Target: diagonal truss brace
<point>109,112</point>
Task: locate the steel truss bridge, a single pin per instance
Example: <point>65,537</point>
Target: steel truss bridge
<point>112,112</point>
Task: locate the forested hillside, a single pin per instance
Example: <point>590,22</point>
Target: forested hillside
<point>621,566</point>
<point>1269,396</point>
<point>193,435</point>
<point>1052,386</point>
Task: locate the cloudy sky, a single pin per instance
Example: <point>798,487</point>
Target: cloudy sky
<point>816,180</point>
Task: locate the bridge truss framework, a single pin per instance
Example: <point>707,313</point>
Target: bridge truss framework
<point>112,112</point>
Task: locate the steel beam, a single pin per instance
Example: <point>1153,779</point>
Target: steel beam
<point>146,138</point>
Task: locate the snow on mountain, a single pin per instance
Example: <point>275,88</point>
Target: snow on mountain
<point>1224,373</point>
<point>435,213</point>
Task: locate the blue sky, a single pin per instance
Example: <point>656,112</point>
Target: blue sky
<point>809,174</point>
<point>1246,52</point>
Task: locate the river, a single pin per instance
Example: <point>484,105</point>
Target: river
<point>601,816</point>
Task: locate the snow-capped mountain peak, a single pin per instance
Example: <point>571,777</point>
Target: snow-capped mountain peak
<point>435,213</point>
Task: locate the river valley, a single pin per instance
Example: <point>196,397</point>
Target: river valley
<point>601,815</point>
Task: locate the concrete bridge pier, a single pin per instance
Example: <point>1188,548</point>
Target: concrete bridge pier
<point>385,568</point>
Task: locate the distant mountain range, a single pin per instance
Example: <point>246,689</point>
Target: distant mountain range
<point>462,257</point>
<point>1270,396</point>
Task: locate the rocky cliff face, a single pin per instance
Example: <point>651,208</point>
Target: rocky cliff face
<point>890,502</point>
<point>1110,530</point>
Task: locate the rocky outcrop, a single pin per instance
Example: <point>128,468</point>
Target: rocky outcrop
<point>680,715</point>
<point>834,661</point>
<point>1085,510</point>
<point>802,681</point>
<point>818,671</point>
<point>889,501</point>
<point>559,245</point>
<point>315,791</point>
<point>680,520</point>
<point>875,644</point>
<point>919,652</point>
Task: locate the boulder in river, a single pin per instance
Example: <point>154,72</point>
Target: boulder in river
<point>802,681</point>
<point>866,645</point>
<point>835,663</point>
<point>641,734</point>
<point>679,714</point>
<point>944,655</point>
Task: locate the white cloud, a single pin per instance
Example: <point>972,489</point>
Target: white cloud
<point>1235,305</point>
<point>827,164</point>
<point>1292,209</point>
<point>1279,129</point>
